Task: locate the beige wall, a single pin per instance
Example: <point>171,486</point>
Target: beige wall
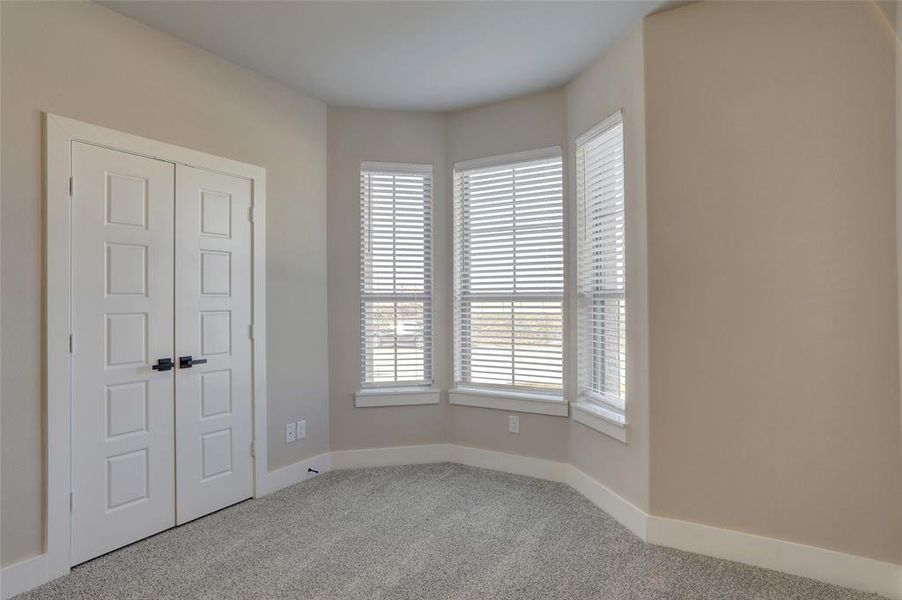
<point>616,81</point>
<point>388,136</point>
<point>86,62</point>
<point>764,134</point>
<point>553,118</point>
<point>355,135</point>
<point>516,125</point>
<point>896,21</point>
<point>774,350</point>
<point>528,123</point>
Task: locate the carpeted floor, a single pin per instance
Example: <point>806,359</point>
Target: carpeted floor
<point>430,531</point>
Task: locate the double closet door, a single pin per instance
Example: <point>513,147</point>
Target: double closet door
<point>161,349</point>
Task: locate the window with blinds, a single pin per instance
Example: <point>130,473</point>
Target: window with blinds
<point>601,269</point>
<point>509,272</point>
<point>395,274</point>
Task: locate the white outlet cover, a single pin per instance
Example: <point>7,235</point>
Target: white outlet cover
<point>290,432</point>
<point>301,429</point>
<point>513,424</point>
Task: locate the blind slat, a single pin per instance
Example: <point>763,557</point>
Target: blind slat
<point>395,274</point>
<point>602,268</point>
<point>509,275</point>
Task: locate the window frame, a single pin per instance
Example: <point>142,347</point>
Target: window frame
<point>395,393</point>
<point>501,396</point>
<point>594,408</point>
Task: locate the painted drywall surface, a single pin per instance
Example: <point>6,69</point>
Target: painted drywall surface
<point>1,279</point>
<point>517,125</point>
<point>541,436</point>
<point>847,507</point>
<point>616,82</point>
<point>387,136</point>
<point>774,350</point>
<point>86,62</point>
<point>896,21</point>
<point>528,123</point>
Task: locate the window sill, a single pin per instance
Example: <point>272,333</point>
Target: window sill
<point>509,400</point>
<point>596,418</point>
<point>395,397</point>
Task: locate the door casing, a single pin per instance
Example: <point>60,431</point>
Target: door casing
<point>60,133</point>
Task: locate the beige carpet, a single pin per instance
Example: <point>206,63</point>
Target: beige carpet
<point>429,531</point>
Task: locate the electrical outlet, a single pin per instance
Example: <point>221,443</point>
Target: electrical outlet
<point>290,432</point>
<point>302,429</point>
<point>513,424</point>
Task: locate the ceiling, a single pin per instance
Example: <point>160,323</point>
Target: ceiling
<point>401,55</point>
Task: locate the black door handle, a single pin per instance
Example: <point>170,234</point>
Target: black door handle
<point>163,364</point>
<point>186,362</point>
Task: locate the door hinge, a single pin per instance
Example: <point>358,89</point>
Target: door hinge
<point>253,450</point>
<point>250,214</point>
<point>71,502</point>
<point>70,186</point>
<point>250,331</point>
<point>71,342</point>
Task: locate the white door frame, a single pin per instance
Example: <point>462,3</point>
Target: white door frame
<point>60,133</point>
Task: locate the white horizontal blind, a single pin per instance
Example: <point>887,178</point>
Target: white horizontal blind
<point>509,274</point>
<point>602,267</point>
<point>395,274</point>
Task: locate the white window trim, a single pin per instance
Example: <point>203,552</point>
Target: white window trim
<point>599,419</point>
<point>511,400</point>
<point>386,391</point>
<point>594,414</point>
<point>393,167</point>
<point>505,159</point>
<point>610,120</point>
<point>396,396</point>
<point>506,398</point>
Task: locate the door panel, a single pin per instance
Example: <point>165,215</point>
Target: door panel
<point>213,314</point>
<point>123,469</point>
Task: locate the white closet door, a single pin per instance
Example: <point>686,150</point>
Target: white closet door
<point>213,316</point>
<point>123,469</point>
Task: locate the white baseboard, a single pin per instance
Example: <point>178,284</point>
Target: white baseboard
<point>824,565</point>
<point>23,576</point>
<point>628,514</point>
<point>831,567</point>
<point>436,453</point>
<point>294,473</point>
<point>837,568</point>
<point>631,516</point>
<point>386,457</point>
<point>508,463</point>
<point>625,512</point>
